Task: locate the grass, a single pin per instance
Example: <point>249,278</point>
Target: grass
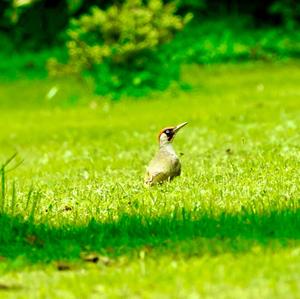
<point>229,227</point>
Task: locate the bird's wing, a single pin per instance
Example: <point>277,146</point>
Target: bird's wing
<point>152,178</point>
<point>161,168</point>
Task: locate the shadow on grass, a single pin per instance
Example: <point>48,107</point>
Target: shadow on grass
<point>184,233</point>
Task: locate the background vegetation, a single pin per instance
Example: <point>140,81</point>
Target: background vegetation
<point>104,46</point>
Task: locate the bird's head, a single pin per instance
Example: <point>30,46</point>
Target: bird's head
<point>167,135</point>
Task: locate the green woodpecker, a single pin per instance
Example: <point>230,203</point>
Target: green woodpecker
<point>165,165</point>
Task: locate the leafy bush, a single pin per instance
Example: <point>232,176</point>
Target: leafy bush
<point>223,40</point>
<point>117,46</point>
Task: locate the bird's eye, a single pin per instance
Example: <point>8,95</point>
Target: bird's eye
<point>167,132</point>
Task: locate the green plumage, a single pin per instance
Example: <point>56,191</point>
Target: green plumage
<point>164,166</point>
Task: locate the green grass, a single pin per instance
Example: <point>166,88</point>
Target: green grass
<point>229,227</point>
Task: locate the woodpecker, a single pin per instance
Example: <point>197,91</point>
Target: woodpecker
<point>165,165</point>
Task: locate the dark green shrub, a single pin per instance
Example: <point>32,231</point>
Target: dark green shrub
<point>155,73</point>
<point>288,10</point>
<point>34,24</point>
<point>230,40</point>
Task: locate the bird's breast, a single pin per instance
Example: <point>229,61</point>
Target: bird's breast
<point>164,162</point>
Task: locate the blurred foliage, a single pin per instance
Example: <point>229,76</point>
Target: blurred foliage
<point>36,24</point>
<point>33,24</point>
<point>115,45</point>
<point>130,47</point>
<point>29,64</point>
<point>289,10</point>
<point>231,40</point>
<point>210,42</point>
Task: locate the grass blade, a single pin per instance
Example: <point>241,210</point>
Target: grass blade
<point>13,198</point>
<point>2,189</point>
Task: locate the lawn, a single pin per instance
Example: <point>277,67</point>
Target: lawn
<point>77,222</point>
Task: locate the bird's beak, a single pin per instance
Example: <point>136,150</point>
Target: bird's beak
<point>177,128</point>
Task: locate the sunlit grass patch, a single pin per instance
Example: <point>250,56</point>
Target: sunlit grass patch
<point>228,227</point>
